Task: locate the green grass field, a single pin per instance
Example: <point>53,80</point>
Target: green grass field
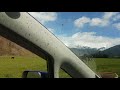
<point>108,65</point>
<point>13,68</point>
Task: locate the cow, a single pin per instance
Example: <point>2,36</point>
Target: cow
<point>12,57</point>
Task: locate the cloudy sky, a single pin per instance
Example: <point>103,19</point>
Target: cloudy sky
<point>91,29</point>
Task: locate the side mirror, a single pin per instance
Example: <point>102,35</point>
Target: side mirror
<point>34,74</point>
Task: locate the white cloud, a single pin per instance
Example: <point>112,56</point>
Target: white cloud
<point>96,22</point>
<point>44,16</point>
<point>101,22</point>
<point>117,17</point>
<point>89,39</point>
<point>109,15</point>
<point>81,21</point>
<point>117,26</point>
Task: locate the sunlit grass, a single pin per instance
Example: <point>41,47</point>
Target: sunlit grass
<point>108,65</point>
<point>13,68</point>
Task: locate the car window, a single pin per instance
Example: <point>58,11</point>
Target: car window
<point>15,59</point>
<point>94,37</point>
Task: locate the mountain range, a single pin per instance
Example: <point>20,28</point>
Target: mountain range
<point>110,52</point>
<point>113,51</point>
<point>8,47</point>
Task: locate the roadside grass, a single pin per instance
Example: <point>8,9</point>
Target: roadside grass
<point>13,68</point>
<point>108,65</point>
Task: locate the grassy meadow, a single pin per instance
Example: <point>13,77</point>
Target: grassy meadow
<point>108,65</point>
<point>13,68</point>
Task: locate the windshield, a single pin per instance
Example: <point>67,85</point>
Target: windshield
<point>92,36</point>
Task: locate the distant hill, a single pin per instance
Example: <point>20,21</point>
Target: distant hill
<point>9,48</point>
<point>110,52</point>
<point>113,51</point>
<point>84,51</point>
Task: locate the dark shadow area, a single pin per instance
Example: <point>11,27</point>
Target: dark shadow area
<point>13,15</point>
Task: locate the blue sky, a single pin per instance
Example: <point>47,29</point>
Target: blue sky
<point>91,29</point>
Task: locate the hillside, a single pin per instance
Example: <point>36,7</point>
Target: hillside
<point>9,48</point>
<point>113,51</point>
<point>110,52</point>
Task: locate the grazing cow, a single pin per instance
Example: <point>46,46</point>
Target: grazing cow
<point>12,57</point>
